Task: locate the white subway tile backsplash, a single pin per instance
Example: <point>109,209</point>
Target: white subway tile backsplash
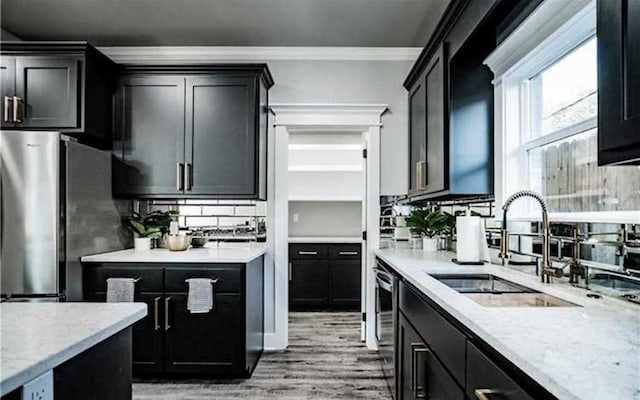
<point>217,210</point>
<point>201,222</point>
<point>190,210</point>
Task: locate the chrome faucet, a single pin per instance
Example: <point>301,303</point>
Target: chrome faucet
<point>546,269</point>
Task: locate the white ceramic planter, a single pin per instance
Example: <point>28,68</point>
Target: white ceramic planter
<point>429,244</point>
<point>142,244</point>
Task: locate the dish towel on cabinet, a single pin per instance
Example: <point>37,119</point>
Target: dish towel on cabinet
<point>200,299</point>
<point>120,290</point>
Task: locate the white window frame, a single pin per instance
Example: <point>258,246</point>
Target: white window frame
<point>552,31</point>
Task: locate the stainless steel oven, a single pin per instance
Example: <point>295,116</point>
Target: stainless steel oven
<point>386,289</point>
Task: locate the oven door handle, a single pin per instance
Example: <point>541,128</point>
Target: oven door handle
<point>384,280</point>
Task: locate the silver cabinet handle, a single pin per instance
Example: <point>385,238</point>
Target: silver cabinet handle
<point>166,313</point>
<point>421,174</point>
<point>188,177</point>
<point>348,253</point>
<point>419,391</point>
<point>7,106</point>
<point>16,104</point>
<point>156,322</point>
<point>484,394</point>
<point>308,253</point>
<point>179,176</point>
<point>290,272</point>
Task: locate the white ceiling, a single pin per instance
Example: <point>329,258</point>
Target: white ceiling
<point>362,23</point>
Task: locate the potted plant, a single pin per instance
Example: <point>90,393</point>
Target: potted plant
<point>146,227</point>
<point>427,224</point>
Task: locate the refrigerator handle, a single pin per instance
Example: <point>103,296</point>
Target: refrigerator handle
<point>17,117</point>
<point>6,117</point>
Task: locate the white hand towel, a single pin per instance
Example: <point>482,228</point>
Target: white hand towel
<point>120,290</point>
<point>200,299</point>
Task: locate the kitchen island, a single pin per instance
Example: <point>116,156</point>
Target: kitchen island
<point>587,349</point>
<point>88,347</point>
<point>226,341</point>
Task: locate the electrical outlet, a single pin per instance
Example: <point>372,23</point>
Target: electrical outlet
<point>40,388</point>
<point>296,217</point>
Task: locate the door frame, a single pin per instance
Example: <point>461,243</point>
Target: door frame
<point>363,118</point>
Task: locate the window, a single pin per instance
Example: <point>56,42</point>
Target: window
<point>548,135</point>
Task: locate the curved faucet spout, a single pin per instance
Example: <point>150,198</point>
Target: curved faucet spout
<point>546,270</point>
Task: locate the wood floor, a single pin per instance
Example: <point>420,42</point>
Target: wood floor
<point>325,360</point>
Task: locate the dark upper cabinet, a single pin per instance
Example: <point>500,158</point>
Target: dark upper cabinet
<point>618,82</point>
<point>417,136</point>
<point>221,135</point>
<point>64,86</point>
<point>148,136</point>
<point>192,132</point>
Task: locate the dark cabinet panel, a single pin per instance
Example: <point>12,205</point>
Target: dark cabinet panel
<point>149,278</point>
<point>486,378</point>
<point>421,375</point>
<point>618,82</point>
<point>228,278</point>
<point>149,140</point>
<point>308,251</point>
<point>436,162</point>
<point>48,90</point>
<point>345,283</point>
<point>221,135</point>
<point>308,282</point>
<point>7,88</point>
<point>345,251</point>
<point>417,136</point>
<point>207,342</point>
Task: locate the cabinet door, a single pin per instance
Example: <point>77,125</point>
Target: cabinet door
<point>147,333</point>
<point>308,283</point>
<point>204,343</point>
<point>7,88</point>
<point>417,136</point>
<point>344,283</point>
<point>618,82</point>
<point>484,378</point>
<point>421,375</point>
<point>435,162</point>
<point>48,89</point>
<point>221,136</point>
<point>149,136</point>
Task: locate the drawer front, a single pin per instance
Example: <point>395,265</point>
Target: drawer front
<point>440,385</point>
<point>95,276</point>
<point>229,278</point>
<point>484,377</point>
<point>444,339</point>
<point>345,251</point>
<point>308,251</point>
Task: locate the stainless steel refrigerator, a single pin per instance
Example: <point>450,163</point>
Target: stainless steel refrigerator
<point>56,206</point>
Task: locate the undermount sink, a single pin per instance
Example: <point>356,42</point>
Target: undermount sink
<point>492,291</point>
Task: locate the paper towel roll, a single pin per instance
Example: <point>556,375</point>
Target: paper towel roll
<point>468,246</point>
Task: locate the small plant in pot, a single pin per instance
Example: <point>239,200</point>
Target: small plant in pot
<point>142,231</point>
<point>428,224</point>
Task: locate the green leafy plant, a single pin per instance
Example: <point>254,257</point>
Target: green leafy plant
<point>427,223</point>
<point>151,225</point>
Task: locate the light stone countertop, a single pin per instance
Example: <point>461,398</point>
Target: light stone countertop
<point>582,353</point>
<point>325,239</point>
<point>37,337</point>
<point>226,253</point>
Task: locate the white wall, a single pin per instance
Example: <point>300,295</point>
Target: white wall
<point>325,218</point>
<point>355,82</point>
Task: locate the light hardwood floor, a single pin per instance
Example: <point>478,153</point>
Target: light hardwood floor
<point>325,360</point>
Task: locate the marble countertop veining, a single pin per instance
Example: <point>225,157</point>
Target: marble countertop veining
<point>226,253</point>
<point>581,353</point>
<point>37,337</point>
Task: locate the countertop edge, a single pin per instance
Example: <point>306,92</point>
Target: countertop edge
<point>15,381</point>
<point>119,257</point>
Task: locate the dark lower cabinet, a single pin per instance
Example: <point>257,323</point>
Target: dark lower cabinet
<point>325,276</point>
<point>204,343</point>
<point>485,378</point>
<point>618,82</point>
<point>227,341</point>
<point>421,374</point>
<point>308,283</point>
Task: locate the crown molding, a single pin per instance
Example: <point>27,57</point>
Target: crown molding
<point>328,115</point>
<point>209,54</point>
